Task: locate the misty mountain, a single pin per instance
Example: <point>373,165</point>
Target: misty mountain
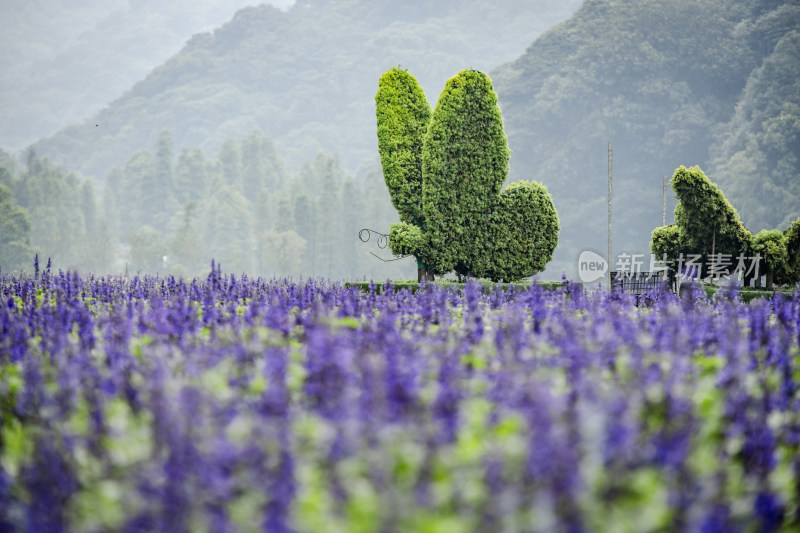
<point>708,82</point>
<point>757,157</point>
<point>64,61</point>
<point>306,77</point>
<point>674,83</point>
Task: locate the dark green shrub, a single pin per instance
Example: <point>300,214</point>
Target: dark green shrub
<point>791,273</point>
<point>665,242</point>
<point>406,239</point>
<point>770,245</point>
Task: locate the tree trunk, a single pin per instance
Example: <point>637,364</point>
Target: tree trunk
<point>769,280</point>
<point>424,275</point>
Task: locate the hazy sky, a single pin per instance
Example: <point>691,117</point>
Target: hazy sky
<point>63,60</point>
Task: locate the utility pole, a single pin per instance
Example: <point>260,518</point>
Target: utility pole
<point>664,211</point>
<point>713,250</point>
<point>610,158</point>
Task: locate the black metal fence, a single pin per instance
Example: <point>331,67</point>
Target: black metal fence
<point>642,283</point>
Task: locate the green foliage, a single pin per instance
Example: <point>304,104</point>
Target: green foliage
<point>705,218</point>
<point>523,233</point>
<point>147,251</point>
<point>792,241</point>
<point>406,239</point>
<point>684,79</point>
<point>261,166</point>
<point>771,246</point>
<point>15,231</point>
<point>414,286</point>
<point>763,136</point>
<point>57,204</point>
<point>664,81</point>
<point>403,115</point>
<point>468,226</point>
<point>268,222</point>
<point>665,242</point>
<point>190,176</point>
<point>282,252</point>
<point>465,162</point>
<point>229,229</point>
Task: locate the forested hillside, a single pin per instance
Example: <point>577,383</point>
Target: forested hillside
<point>705,82</point>
<point>757,154</point>
<point>305,77</point>
<point>64,61</point>
<point>171,212</point>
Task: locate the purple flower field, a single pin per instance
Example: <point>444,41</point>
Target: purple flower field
<point>231,404</point>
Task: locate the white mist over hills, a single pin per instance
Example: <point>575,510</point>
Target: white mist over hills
<point>62,61</point>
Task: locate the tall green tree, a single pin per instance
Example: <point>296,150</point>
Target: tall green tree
<point>52,197</point>
<point>88,203</point>
<point>305,226</point>
<point>190,176</point>
<point>138,184</point>
<point>705,217</point>
<point>112,192</point>
<point>229,229</point>
<point>261,166</point>
<point>163,186</point>
<point>187,248</point>
<point>771,247</point>
<point>705,221</point>
<point>285,218</point>
<point>230,159</point>
<point>15,233</point>
<point>352,211</point>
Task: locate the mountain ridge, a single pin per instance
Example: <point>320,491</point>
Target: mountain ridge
<point>305,77</point>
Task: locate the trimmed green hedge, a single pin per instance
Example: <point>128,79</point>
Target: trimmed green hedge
<point>413,286</point>
<point>748,295</point>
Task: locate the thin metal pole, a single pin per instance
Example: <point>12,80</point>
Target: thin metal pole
<point>610,189</point>
<point>664,211</point>
<point>713,248</point>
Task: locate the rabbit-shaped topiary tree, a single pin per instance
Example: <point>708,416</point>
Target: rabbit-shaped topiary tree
<point>445,171</point>
<point>706,221</point>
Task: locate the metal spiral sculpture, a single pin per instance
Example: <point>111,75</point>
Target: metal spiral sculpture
<point>365,235</point>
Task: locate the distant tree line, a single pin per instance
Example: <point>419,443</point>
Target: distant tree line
<point>172,213</point>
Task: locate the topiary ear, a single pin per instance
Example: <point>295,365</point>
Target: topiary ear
<point>464,165</point>
<point>403,115</point>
